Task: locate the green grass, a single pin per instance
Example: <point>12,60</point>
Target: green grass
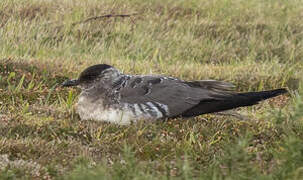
<point>257,45</point>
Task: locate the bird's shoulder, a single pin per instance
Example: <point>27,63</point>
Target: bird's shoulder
<point>146,84</point>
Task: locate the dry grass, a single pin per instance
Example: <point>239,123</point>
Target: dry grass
<point>256,45</point>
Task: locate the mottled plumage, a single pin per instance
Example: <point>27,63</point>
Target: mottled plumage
<point>109,95</point>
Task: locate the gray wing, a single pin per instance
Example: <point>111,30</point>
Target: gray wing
<point>171,96</point>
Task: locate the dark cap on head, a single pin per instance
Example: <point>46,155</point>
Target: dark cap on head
<point>89,74</point>
<point>92,72</point>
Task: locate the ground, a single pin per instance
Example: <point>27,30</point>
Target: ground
<point>256,45</point>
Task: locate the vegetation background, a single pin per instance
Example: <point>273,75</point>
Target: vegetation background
<point>256,44</point>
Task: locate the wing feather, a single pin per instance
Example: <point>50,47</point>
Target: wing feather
<point>192,98</point>
<point>178,95</point>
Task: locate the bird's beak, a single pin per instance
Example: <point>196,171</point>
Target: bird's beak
<point>68,83</point>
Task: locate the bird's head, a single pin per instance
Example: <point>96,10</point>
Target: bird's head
<point>100,75</point>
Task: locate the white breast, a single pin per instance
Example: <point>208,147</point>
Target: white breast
<point>95,110</point>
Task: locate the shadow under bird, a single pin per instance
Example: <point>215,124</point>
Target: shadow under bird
<point>109,95</point>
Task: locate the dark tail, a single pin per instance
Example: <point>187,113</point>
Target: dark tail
<point>233,101</point>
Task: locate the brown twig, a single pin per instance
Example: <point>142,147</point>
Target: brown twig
<point>104,16</point>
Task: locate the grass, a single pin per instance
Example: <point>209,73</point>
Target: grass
<point>257,45</point>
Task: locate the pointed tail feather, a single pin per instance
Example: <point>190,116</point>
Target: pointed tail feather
<point>230,102</point>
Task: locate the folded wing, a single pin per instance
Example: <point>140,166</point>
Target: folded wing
<point>172,97</point>
<point>177,98</point>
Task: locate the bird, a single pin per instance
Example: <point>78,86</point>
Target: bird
<point>112,96</point>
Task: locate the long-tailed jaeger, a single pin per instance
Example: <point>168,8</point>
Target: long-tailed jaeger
<point>109,95</point>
